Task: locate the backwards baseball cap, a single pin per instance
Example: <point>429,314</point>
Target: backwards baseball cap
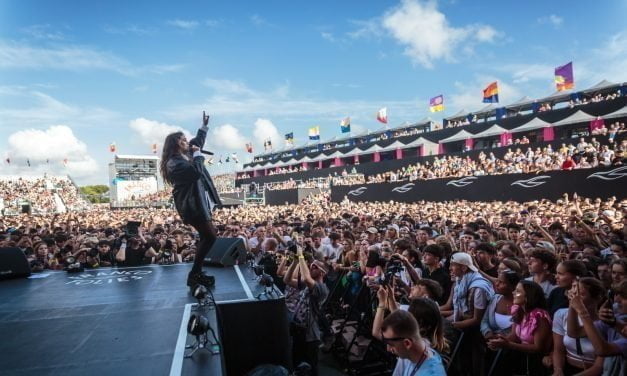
<point>373,230</point>
<point>462,258</point>
<point>546,245</point>
<point>394,227</point>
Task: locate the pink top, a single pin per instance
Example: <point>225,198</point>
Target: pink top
<point>530,322</point>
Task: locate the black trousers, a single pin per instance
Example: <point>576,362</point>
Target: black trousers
<point>303,351</point>
<point>208,236</point>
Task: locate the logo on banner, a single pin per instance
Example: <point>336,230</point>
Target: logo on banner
<point>102,278</point>
<point>533,182</point>
<point>462,182</point>
<point>357,192</point>
<point>614,174</point>
<point>404,188</point>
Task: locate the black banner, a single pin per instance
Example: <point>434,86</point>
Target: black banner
<point>281,197</point>
<point>602,183</point>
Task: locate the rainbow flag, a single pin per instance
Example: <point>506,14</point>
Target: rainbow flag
<point>491,93</point>
<point>345,125</point>
<point>314,133</point>
<point>564,78</point>
<point>436,104</point>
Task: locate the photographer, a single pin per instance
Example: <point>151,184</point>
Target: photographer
<point>304,326</point>
<point>134,253</point>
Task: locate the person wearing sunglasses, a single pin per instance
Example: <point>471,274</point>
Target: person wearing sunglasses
<point>401,335</point>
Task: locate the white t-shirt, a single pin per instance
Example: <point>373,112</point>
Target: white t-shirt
<point>570,344</point>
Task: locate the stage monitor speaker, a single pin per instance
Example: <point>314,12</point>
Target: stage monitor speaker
<point>227,252</point>
<point>13,263</point>
<point>254,332</point>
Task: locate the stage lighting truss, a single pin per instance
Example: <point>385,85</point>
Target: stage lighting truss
<point>198,326</point>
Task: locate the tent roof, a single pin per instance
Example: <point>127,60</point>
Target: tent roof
<point>460,114</point>
<point>524,101</point>
<point>616,114</point>
<point>577,117</point>
<point>535,123</point>
<point>394,145</point>
<point>337,154</point>
<point>489,108</point>
<point>604,84</point>
<point>494,130</point>
<point>461,135</point>
<point>557,95</point>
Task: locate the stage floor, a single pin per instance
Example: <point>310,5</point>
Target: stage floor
<point>109,321</point>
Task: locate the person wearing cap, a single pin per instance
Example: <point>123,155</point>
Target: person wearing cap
<point>471,292</point>
<point>306,336</point>
<point>372,233</point>
<point>392,232</point>
<point>467,305</point>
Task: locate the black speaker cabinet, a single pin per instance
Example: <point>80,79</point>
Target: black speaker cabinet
<point>227,252</point>
<point>254,332</point>
<point>13,263</point>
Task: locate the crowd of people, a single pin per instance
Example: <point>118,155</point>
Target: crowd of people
<point>38,194</point>
<point>540,283</point>
<point>584,154</point>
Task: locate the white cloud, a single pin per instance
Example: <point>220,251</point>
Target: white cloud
<point>72,58</point>
<point>227,87</point>
<point>22,107</point>
<point>328,36</point>
<point>227,137</point>
<point>153,132</point>
<point>366,29</point>
<point>46,150</point>
<point>257,20</point>
<point>264,129</point>
<point>184,24</point>
<point>130,29</point>
<point>522,73</point>
<point>552,19</point>
<point>43,31</point>
<point>427,34</point>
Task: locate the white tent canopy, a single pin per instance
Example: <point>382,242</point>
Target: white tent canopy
<point>616,114</point>
<point>393,146</point>
<point>337,154</point>
<point>577,117</point>
<point>494,130</point>
<point>521,102</point>
<point>460,114</point>
<point>417,142</point>
<point>461,135</point>
<point>600,86</point>
<point>535,123</point>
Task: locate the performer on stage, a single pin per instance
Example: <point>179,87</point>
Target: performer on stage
<point>195,196</point>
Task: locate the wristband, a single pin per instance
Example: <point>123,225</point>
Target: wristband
<point>379,307</point>
<point>301,257</point>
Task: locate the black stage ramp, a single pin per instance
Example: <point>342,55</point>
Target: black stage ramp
<point>110,321</point>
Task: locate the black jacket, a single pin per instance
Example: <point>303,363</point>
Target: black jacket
<point>190,181</point>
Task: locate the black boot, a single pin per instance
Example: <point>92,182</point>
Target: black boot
<point>201,278</point>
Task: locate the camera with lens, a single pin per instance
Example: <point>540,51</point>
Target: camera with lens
<point>393,267</point>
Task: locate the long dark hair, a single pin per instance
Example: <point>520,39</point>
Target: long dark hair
<point>534,296</point>
<point>170,149</point>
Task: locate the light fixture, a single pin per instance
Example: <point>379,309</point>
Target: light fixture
<point>198,326</point>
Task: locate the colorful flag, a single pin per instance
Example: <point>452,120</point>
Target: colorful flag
<point>345,125</point>
<point>112,147</point>
<point>564,78</point>
<point>382,115</point>
<point>491,93</point>
<point>154,148</point>
<point>249,147</point>
<point>436,104</point>
<point>267,145</point>
<point>314,133</point>
<point>289,139</point>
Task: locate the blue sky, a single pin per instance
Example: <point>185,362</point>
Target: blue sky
<point>78,75</point>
